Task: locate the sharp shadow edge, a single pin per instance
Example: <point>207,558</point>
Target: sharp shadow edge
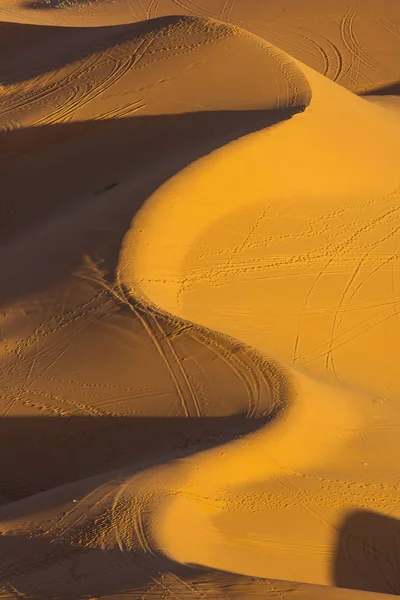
<point>65,449</point>
<point>67,159</point>
<point>132,578</point>
<point>389,90</point>
<point>53,451</point>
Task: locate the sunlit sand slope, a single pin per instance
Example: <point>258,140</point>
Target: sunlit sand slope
<point>288,240</point>
<point>311,497</point>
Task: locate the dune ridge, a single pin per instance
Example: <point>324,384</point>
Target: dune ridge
<point>165,271</point>
<point>199,300</point>
<point>160,268</point>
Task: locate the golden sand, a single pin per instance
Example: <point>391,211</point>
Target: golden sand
<point>199,323</point>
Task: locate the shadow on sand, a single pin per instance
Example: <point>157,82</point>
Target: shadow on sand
<point>60,201</point>
<point>43,4</point>
<point>50,567</point>
<point>52,178</point>
<point>45,452</point>
<point>56,47</point>
<point>67,559</point>
<point>72,189</point>
<point>70,563</point>
<point>388,90</point>
<point>368,553</point>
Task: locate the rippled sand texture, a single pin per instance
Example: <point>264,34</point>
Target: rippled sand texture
<point>199,299</point>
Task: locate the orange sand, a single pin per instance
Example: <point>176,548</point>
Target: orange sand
<point>199,324</point>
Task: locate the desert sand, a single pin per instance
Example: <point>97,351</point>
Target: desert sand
<point>199,300</point>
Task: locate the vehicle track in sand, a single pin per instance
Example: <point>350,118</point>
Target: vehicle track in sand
<point>90,79</point>
<point>122,514</point>
<point>358,55</point>
<point>305,41</point>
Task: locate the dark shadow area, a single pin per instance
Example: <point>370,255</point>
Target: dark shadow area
<point>368,553</point>
<point>72,190</point>
<point>43,4</point>
<point>39,453</point>
<point>67,561</point>
<point>56,47</point>
<point>389,90</point>
<point>52,567</point>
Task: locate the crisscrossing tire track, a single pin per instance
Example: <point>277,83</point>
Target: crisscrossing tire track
<point>358,56</point>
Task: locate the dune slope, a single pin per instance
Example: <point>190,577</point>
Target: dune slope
<point>199,299</point>
<point>280,240</point>
<point>352,43</point>
<point>298,256</point>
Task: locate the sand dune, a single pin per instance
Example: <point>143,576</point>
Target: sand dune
<point>199,299</point>
<point>92,538</point>
<point>306,266</point>
<point>352,43</point>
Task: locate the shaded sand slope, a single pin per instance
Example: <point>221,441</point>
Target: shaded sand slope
<point>115,385</point>
<point>71,82</point>
<point>73,344</point>
<point>143,93</point>
<point>298,256</point>
<point>353,43</point>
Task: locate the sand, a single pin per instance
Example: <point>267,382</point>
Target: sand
<point>199,322</point>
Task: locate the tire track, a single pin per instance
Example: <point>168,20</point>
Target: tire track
<point>332,58</point>
<point>78,99</point>
<point>230,13</point>
<point>254,373</point>
<point>329,356</point>
<point>358,55</point>
<point>173,364</point>
<point>240,370</point>
<point>339,344</point>
<point>122,111</point>
<point>305,306</point>
<point>45,92</point>
<point>62,525</point>
<point>223,9</point>
<point>180,368</point>
<point>339,314</point>
<point>388,26</point>
<point>153,9</point>
<point>196,9</point>
<point>42,360</point>
<point>65,112</point>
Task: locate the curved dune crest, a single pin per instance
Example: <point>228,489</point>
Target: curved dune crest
<point>210,410</point>
<point>284,243</point>
<point>273,239</point>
